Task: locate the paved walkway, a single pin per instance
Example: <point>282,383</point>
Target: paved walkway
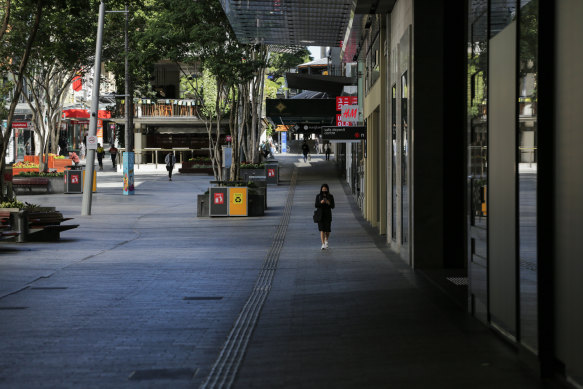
<point>146,295</point>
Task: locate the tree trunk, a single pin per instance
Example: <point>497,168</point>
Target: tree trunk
<point>18,90</point>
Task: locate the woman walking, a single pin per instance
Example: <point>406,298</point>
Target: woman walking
<point>325,202</point>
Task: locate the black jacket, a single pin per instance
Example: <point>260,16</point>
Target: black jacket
<point>326,209</point>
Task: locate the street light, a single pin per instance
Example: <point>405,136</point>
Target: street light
<point>90,165</point>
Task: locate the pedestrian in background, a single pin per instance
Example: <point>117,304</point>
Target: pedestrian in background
<point>82,151</point>
<point>327,151</point>
<point>325,202</point>
<point>113,152</point>
<point>305,150</point>
<point>74,157</point>
<point>100,154</point>
<point>170,162</point>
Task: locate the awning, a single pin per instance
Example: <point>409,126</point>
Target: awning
<point>76,113</point>
<point>333,85</point>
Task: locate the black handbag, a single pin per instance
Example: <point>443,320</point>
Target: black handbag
<point>317,215</point>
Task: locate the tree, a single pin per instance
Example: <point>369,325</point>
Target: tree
<point>279,63</point>
<point>198,34</point>
<point>11,50</point>
<point>63,49</point>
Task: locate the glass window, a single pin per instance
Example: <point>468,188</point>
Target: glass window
<point>404,160</point>
<point>527,170</point>
<point>477,139</point>
<point>394,162</point>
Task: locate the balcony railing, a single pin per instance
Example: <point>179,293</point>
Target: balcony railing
<point>160,108</point>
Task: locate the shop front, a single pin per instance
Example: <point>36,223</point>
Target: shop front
<point>76,127</point>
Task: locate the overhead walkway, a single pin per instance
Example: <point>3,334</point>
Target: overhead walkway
<point>144,294</point>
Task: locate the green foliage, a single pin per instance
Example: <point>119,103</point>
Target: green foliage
<point>252,165</point>
<point>18,204</point>
<point>143,52</point>
<point>270,130</point>
<point>200,159</point>
<point>279,63</point>
<point>40,174</point>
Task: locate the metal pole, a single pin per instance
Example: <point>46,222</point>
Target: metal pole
<point>128,132</point>
<point>90,164</point>
<point>128,155</point>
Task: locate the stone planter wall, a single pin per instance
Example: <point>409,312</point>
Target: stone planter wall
<point>56,184</point>
<point>202,205</point>
<point>245,173</point>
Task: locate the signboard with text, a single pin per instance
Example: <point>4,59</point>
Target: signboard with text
<point>344,133</point>
<point>348,108</point>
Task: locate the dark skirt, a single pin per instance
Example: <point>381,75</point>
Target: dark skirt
<point>325,224</point>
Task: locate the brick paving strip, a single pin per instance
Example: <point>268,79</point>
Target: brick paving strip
<point>225,368</point>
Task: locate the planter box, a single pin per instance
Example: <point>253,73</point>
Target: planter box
<point>59,164</point>
<point>203,170</point>
<point>245,173</point>
<point>202,205</point>
<point>56,185</point>
<point>17,170</point>
<point>31,158</point>
<point>190,164</point>
<point>255,204</point>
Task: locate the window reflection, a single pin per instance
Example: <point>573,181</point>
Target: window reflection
<point>394,162</point>
<point>404,160</point>
<point>527,170</point>
<point>477,139</point>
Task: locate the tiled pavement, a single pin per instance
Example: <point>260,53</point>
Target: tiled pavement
<point>144,295</point>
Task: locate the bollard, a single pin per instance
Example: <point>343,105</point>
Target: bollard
<point>21,225</point>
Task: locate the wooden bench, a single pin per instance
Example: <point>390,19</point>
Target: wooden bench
<point>47,225</point>
<point>6,231</point>
<point>42,226</point>
<point>30,182</point>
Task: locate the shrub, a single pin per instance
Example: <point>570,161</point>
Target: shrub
<point>246,165</point>
<point>25,165</point>
<point>18,204</point>
<point>40,174</point>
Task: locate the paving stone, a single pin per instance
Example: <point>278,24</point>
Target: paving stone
<point>133,290</point>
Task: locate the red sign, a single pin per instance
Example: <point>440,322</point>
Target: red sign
<point>228,138</point>
<point>270,172</point>
<point>77,83</point>
<point>219,198</point>
<point>19,124</point>
<point>345,100</point>
<point>74,178</point>
<point>340,123</point>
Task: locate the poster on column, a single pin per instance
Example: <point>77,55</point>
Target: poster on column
<point>283,142</point>
<point>128,173</point>
<point>100,131</point>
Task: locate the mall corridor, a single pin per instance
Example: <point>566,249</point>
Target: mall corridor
<point>146,295</point>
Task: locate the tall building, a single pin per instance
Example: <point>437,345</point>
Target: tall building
<point>471,165</point>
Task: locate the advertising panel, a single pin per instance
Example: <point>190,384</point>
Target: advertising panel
<point>346,133</point>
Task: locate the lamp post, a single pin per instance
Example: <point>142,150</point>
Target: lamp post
<point>128,155</point>
<point>90,164</point>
